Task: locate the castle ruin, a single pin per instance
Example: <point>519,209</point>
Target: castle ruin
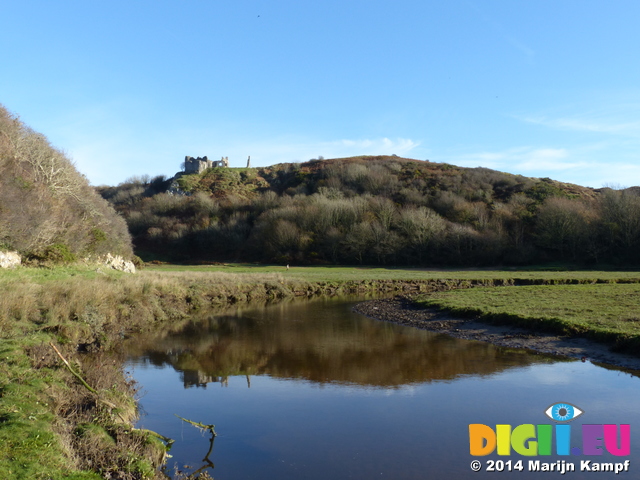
<point>199,165</point>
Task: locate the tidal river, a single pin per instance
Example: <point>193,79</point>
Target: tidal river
<point>311,390</point>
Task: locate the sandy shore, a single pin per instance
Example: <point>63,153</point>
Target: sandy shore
<point>401,310</point>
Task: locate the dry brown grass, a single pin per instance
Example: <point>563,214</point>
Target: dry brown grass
<point>83,309</point>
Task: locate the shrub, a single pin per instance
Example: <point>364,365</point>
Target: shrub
<point>54,254</point>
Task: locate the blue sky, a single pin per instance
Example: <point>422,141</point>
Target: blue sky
<point>544,88</point>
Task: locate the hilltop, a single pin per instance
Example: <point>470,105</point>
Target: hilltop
<point>377,210</point>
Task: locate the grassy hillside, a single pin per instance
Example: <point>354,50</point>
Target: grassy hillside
<point>47,208</point>
<point>382,210</point>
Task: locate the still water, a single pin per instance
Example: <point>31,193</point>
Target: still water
<point>311,390</point>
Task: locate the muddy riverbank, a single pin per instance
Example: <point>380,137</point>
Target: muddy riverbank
<point>402,310</point>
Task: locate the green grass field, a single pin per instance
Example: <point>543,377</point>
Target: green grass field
<point>325,273</point>
<point>606,312</point>
<point>351,273</point>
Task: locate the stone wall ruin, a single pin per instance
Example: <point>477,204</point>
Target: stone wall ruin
<point>200,164</point>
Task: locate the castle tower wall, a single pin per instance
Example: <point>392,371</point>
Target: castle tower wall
<point>199,165</point>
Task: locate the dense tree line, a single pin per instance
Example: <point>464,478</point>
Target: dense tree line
<point>378,210</point>
<point>47,208</point>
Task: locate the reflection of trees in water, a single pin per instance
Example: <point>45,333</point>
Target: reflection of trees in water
<point>327,348</point>
<point>196,378</point>
<point>206,461</point>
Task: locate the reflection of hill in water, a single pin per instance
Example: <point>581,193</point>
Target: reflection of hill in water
<point>320,342</point>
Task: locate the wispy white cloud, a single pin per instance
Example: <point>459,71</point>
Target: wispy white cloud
<point>521,159</point>
<point>518,45</point>
<point>623,174</point>
<point>548,159</point>
<point>589,165</point>
<point>612,116</point>
<point>379,146</point>
<point>588,124</point>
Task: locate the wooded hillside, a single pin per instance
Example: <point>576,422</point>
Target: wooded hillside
<point>378,210</point>
<point>48,210</point>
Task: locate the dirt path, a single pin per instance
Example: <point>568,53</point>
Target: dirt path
<point>401,310</point>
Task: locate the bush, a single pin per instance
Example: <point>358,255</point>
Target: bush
<point>137,262</point>
<point>55,254</point>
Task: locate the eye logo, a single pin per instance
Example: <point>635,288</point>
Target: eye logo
<point>563,412</point>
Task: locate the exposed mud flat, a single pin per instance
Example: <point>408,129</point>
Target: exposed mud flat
<point>403,311</point>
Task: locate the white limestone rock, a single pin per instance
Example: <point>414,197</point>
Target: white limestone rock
<point>10,259</point>
<point>118,263</point>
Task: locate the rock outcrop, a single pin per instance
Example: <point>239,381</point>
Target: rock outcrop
<point>10,259</point>
<point>118,263</point>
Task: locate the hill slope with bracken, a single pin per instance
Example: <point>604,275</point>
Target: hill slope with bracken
<point>378,210</point>
<point>48,210</point>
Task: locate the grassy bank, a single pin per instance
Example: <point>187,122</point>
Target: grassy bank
<point>603,312</point>
<point>45,409</point>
